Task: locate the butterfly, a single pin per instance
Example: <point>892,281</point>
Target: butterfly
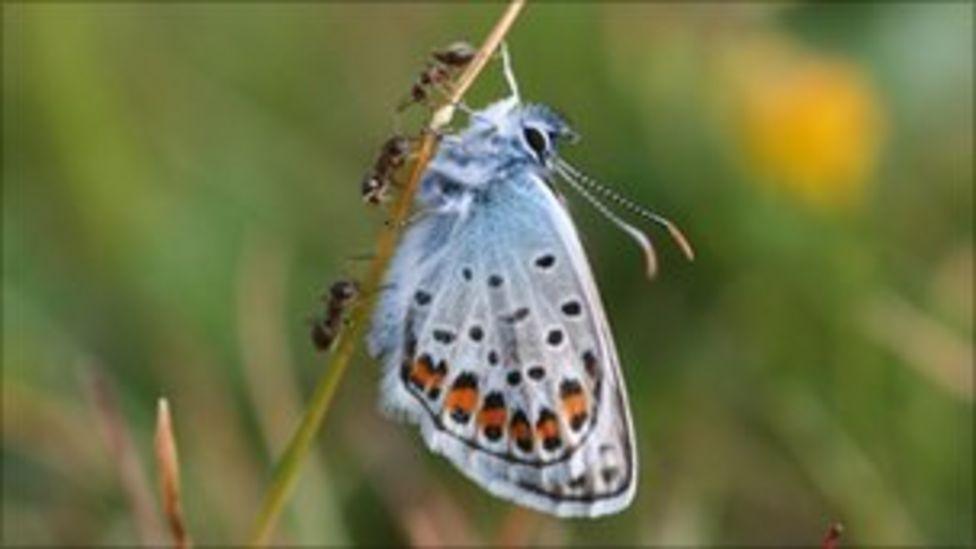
<point>491,332</point>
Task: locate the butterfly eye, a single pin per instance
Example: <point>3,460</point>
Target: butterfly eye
<point>537,141</point>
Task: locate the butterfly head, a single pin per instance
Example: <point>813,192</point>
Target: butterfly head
<point>541,131</point>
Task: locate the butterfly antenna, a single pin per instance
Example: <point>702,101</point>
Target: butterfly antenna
<point>631,206</point>
<point>641,238</point>
<point>509,73</point>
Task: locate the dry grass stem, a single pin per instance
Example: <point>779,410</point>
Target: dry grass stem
<point>518,529</point>
<point>286,471</point>
<point>422,505</point>
<point>122,450</point>
<point>934,350</point>
<point>168,464</point>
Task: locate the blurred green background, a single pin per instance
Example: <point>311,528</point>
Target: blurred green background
<point>181,182</point>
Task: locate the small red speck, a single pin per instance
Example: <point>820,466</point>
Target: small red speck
<point>831,539</point>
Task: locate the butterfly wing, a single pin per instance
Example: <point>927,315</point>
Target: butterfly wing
<point>494,340</point>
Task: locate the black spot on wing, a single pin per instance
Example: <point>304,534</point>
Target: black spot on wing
<point>545,261</point>
<point>465,380</point>
<point>493,432</point>
<point>422,298</point>
<point>554,337</point>
<point>517,316</point>
<point>444,336</point>
<point>609,474</point>
<point>571,308</point>
<point>569,387</point>
<point>590,364</point>
<point>514,378</point>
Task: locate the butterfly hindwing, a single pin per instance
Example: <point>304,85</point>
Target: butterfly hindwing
<point>494,340</point>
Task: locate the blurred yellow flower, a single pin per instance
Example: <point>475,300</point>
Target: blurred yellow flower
<point>809,125</point>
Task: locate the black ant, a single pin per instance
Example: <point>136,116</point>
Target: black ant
<point>393,155</point>
<point>444,63</point>
<point>326,328</point>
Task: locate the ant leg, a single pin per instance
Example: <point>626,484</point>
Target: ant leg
<point>368,256</point>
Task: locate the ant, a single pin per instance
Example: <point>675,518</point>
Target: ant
<point>326,328</point>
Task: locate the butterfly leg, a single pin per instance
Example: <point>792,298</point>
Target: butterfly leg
<point>463,107</point>
<point>450,139</point>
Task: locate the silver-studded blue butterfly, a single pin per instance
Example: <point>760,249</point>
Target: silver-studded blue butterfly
<point>491,331</point>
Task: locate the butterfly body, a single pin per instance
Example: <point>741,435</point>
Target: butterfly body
<point>492,335</point>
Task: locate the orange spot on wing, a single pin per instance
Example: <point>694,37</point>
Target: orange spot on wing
<point>425,375</point>
<point>462,398</point>
<point>521,431</point>
<point>574,405</point>
<point>492,417</point>
<point>548,428</point>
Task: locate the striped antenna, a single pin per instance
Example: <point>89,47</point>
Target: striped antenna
<point>579,178</point>
<point>644,242</point>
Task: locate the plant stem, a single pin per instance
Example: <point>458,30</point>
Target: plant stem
<point>286,471</point>
<point>168,464</point>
